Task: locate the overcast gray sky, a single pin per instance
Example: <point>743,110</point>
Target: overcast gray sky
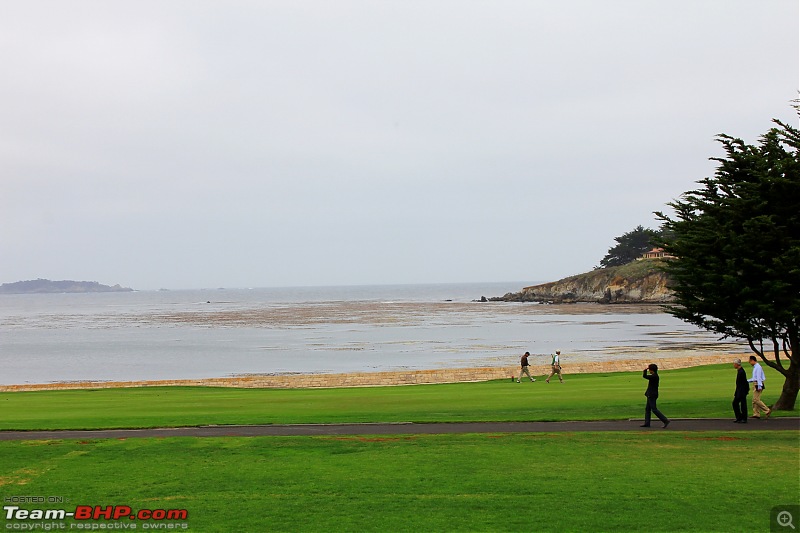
<point>307,142</point>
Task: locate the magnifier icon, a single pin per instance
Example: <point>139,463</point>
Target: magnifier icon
<point>785,519</point>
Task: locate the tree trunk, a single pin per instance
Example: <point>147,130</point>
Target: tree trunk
<point>791,386</point>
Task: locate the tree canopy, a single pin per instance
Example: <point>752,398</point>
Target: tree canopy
<point>630,246</point>
<point>736,240</point>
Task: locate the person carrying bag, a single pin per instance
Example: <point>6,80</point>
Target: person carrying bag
<point>555,366</point>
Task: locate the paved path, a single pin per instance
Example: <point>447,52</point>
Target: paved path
<point>704,424</point>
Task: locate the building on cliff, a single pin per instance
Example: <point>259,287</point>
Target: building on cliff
<point>656,253</point>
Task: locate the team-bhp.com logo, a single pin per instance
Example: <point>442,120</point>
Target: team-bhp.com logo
<point>95,513</point>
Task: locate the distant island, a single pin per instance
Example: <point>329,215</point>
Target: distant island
<point>45,286</point>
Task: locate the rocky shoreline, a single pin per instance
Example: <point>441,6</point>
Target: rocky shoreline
<point>640,282</point>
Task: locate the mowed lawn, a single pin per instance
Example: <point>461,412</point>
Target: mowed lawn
<point>697,392</point>
<point>631,481</point>
<point>615,481</point>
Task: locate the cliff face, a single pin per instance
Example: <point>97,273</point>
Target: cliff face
<point>637,282</point>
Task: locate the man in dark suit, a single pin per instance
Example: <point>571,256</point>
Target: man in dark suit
<point>651,375</point>
<point>740,395</point>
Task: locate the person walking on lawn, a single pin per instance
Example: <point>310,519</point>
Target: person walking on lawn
<point>758,387</point>
<point>651,375</point>
<point>523,363</point>
<point>740,395</point>
<point>555,367</point>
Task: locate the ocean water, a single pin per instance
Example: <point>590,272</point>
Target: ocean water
<point>151,335</point>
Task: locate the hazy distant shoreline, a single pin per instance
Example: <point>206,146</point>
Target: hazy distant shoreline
<point>46,286</point>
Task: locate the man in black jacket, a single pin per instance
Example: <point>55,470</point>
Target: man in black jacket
<point>740,395</point>
<point>652,395</point>
<point>523,363</point>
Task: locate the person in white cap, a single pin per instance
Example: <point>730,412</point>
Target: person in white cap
<point>555,366</point>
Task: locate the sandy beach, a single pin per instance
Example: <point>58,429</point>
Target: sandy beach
<point>376,379</point>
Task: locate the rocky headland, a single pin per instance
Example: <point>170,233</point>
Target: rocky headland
<point>45,286</point>
<point>639,282</point>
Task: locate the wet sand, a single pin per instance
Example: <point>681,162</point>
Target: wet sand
<point>241,343</point>
<point>376,313</point>
<point>375,379</point>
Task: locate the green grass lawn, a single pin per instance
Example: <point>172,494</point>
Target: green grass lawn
<point>696,392</point>
<point>656,481</point>
<point>614,481</point>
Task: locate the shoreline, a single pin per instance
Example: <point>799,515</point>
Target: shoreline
<point>380,379</point>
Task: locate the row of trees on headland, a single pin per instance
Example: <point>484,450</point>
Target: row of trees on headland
<point>735,247</point>
<point>630,246</point>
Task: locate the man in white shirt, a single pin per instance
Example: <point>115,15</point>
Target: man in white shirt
<point>555,367</point>
<point>758,386</point>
